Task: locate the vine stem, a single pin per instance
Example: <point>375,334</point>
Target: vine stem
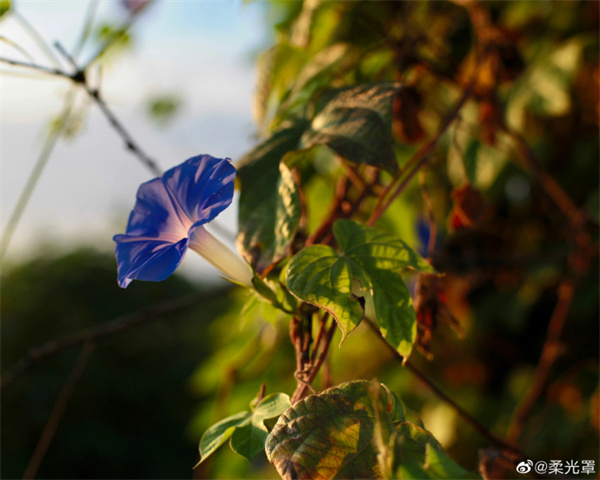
<point>420,158</point>
<point>550,352</point>
<point>322,344</point>
<point>578,264</point>
<point>482,430</point>
<point>58,410</point>
<point>549,185</point>
<point>340,195</point>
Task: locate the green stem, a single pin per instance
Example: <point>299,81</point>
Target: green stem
<point>35,175</point>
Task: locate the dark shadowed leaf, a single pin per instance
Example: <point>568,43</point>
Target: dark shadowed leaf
<point>317,75</point>
<point>277,68</point>
<point>356,122</point>
<point>269,205</point>
<point>437,466</point>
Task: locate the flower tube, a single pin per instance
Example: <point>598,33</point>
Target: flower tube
<point>168,218</point>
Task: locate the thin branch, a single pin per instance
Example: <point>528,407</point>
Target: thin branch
<point>305,384</point>
<point>579,261</point>
<point>420,158</point>
<point>342,207</point>
<point>324,350</point>
<point>130,143</point>
<point>320,333</point>
<point>115,37</point>
<point>34,66</point>
<point>58,411</point>
<point>483,431</point>
<point>17,47</point>
<point>551,187</point>
<point>340,195</point>
<point>36,37</point>
<point>39,353</point>
<point>87,27</point>
<point>80,78</point>
<point>62,50</point>
<point>550,352</point>
<point>35,176</point>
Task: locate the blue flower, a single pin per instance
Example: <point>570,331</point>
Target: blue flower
<point>168,218</point>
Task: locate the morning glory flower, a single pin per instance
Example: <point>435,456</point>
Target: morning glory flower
<point>169,217</point>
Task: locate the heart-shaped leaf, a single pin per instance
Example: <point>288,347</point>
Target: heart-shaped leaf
<point>330,435</point>
<point>322,277</point>
<point>356,122</point>
<point>373,259</point>
<point>356,430</point>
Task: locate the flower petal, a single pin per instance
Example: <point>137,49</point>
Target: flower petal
<point>166,211</point>
<point>144,258</point>
<point>202,187</point>
<point>156,216</point>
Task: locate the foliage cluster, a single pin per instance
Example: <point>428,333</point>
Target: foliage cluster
<point>471,294</point>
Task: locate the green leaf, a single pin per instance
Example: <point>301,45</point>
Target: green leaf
<point>249,438</point>
<point>369,245</point>
<point>263,289</point>
<point>277,67</point>
<point>372,259</point>
<point>219,433</point>
<point>320,276</point>
<point>270,407</point>
<point>377,258</point>
<point>316,75</point>
<point>356,122</point>
<point>269,204</point>
<point>437,466</point>
<point>356,430</point>
<point>331,435</point>
<point>247,431</point>
<point>409,444</point>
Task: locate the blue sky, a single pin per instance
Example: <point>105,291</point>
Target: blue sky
<point>202,51</point>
